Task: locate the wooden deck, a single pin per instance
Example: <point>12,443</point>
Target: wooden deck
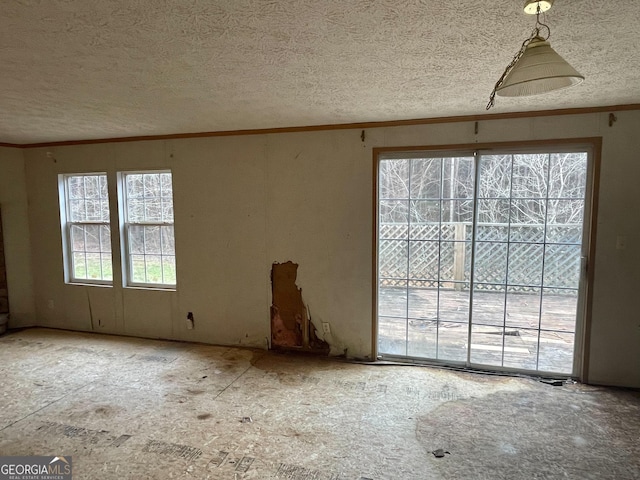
<point>516,330</point>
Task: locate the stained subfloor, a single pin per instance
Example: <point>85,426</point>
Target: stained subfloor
<point>128,408</point>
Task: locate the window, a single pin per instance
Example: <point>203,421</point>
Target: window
<point>86,232</point>
<point>147,210</point>
<point>481,256</point>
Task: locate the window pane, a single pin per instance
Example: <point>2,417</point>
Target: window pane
<point>392,179</point>
<point>423,260</point>
<point>523,309</point>
<point>457,210</point>
<point>77,238</point>
<point>87,198</point>
<point>104,210</point>
<point>107,271</point>
<point>134,186</point>
<point>495,176</point>
<point>92,238</point>
<point>105,238</point>
<point>89,242</point>
<point>75,187</point>
<point>153,265</point>
<point>94,266</point>
<point>90,247</point>
<point>392,335</point>
<point>152,210</point>
<point>168,242</point>
<point>169,269</point>
<point>425,177</point>
<point>151,185</point>
<point>491,262</point>
<point>136,239</point>
<point>525,264</point>
<point>104,191</point>
<point>493,211</point>
<point>562,266</point>
<point>138,269</point>
<point>152,240</point>
<point>149,198</point>
<point>135,210</point>
<point>528,212</point>
<point>167,210</point>
<point>448,260</point>
<point>149,206</point>
<point>393,212</point>
<point>452,341</point>
<point>421,338</point>
<point>530,173</point>
<point>166,185</point>
<point>568,176</point>
<point>488,306</point>
<point>93,210</point>
<point>79,266</point>
<point>393,259</point>
<point>566,213</point>
<point>92,186</point>
<point>77,211</point>
<point>458,177</point>
<point>453,304</point>
<point>424,211</point>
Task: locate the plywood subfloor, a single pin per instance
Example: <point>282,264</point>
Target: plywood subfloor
<point>143,409</point>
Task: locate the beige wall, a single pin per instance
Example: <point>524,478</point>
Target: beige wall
<point>15,225</point>
<point>242,203</point>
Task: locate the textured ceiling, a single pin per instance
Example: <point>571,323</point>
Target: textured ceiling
<point>85,69</point>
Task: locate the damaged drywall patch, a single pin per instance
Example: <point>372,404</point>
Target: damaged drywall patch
<point>291,325</point>
<point>288,312</point>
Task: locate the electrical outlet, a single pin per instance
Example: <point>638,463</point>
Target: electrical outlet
<point>326,328</point>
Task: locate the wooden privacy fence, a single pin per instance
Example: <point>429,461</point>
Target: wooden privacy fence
<point>525,257</point>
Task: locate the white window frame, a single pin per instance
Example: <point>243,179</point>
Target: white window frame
<point>125,226</point>
<point>67,225</point>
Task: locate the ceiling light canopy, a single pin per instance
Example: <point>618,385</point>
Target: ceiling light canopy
<point>532,6</point>
<point>536,68</point>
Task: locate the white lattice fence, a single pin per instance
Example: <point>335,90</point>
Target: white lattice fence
<point>428,256</point>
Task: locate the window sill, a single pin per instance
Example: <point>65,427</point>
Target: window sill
<point>90,284</point>
<point>148,287</point>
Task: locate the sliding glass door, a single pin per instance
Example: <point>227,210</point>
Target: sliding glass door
<point>479,257</point>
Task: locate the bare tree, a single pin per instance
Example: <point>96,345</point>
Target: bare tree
<point>531,189</point>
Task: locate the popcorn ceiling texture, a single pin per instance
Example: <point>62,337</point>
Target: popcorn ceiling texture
<point>88,69</point>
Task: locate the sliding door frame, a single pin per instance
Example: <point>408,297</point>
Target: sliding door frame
<point>583,322</point>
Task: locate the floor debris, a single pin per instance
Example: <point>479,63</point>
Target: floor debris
<point>439,453</point>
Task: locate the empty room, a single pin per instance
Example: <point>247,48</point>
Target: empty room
<point>278,239</point>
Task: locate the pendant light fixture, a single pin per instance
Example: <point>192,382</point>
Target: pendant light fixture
<point>536,68</point>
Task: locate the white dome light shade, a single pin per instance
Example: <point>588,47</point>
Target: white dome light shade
<point>531,6</point>
<point>539,70</point>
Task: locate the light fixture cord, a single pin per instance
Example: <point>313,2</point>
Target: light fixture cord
<point>535,33</point>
